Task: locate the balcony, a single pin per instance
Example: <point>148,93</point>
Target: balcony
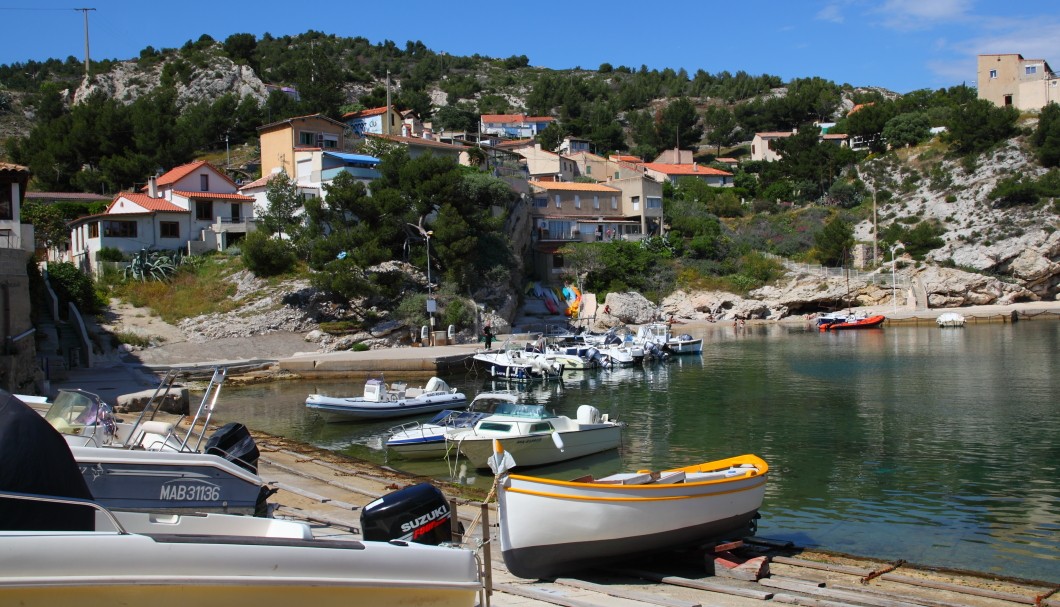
<point>238,225</point>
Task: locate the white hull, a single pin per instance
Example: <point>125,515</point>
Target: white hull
<point>335,408</point>
<point>549,527</point>
<point>950,319</point>
<point>92,568</point>
<point>539,449</point>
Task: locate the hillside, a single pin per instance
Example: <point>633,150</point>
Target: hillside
<point>934,193</point>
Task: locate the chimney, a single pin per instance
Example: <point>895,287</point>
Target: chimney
<point>152,187</point>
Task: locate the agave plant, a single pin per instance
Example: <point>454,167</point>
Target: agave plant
<point>152,265</point>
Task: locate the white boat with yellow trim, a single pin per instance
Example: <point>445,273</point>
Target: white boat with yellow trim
<point>550,527</point>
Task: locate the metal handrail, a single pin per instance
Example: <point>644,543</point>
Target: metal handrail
<point>70,501</point>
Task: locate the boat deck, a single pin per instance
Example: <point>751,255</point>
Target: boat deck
<point>328,491</point>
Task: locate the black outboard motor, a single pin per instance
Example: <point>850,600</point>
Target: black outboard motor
<point>234,443</point>
<point>419,513</point>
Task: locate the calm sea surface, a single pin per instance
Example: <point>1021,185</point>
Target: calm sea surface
<point>940,447</point>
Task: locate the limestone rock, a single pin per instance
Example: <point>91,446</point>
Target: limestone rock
<point>950,287</point>
<point>315,336</point>
<point>176,400</point>
<point>629,308</point>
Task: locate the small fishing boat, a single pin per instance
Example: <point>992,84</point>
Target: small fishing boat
<point>551,527</point>
<point>534,436</point>
<point>381,401</point>
<point>950,319</point>
<point>659,333</point>
<point>856,321</point>
<point>514,364</point>
<point>427,439</point>
<point>148,466</point>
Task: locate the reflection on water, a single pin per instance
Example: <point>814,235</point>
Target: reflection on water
<point>935,446</point>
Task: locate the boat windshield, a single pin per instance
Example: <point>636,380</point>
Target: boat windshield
<point>73,409</point>
<point>522,410</point>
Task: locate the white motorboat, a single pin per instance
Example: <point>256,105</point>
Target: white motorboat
<point>551,527</point>
<point>534,436</point>
<point>147,466</point>
<point>381,401</point>
<point>514,364</point>
<point>427,440</point>
<point>660,334</point>
<point>60,548</point>
<point>950,319</point>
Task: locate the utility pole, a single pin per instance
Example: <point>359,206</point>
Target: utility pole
<point>386,116</point>
<point>85,11</point>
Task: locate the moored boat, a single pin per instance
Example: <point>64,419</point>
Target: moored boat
<point>856,321</point>
<point>660,334</point>
<point>513,364</point>
<point>427,439</point>
<point>550,527</point>
<point>534,436</point>
<point>381,401</point>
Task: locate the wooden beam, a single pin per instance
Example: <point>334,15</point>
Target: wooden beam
<point>643,597</point>
<point>711,586</point>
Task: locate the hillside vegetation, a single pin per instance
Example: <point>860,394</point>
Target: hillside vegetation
<point>973,197</point>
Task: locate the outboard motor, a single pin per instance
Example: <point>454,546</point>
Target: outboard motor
<point>234,443</point>
<point>419,513</point>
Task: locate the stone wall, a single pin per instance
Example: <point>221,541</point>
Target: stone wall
<point>18,359</point>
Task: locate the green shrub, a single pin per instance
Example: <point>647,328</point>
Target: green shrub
<point>73,285</point>
<point>267,256</point>
<point>110,254</point>
<point>360,347</point>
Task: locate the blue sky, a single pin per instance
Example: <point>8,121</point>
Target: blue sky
<point>902,45</point>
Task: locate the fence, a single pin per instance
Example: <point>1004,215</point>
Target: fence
<point>880,276</point>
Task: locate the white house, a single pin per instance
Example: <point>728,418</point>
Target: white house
<point>193,207</point>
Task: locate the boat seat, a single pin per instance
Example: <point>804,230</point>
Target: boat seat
<point>671,478</point>
<point>413,392</point>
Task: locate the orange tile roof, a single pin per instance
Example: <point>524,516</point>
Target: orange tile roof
<point>860,106</point>
<point>727,160</point>
<point>278,123</point>
<point>627,158</point>
<point>834,136</point>
<point>145,201</point>
<point>214,195</point>
<point>573,186</point>
<point>256,183</point>
<point>15,168</point>
<point>774,134</point>
<point>176,174</point>
<point>365,113</point>
<point>417,141</point>
<point>685,169</point>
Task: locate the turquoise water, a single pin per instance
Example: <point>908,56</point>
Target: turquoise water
<point>935,446</point>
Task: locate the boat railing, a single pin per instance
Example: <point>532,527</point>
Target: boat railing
<point>69,501</point>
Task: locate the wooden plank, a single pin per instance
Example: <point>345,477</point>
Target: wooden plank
<point>858,571</point>
<point>805,601</point>
<point>766,580</point>
<point>323,499</point>
<point>830,593</point>
<point>626,594</point>
<point>538,594</point>
<point>711,586</point>
<point>890,592</point>
<point>983,592</point>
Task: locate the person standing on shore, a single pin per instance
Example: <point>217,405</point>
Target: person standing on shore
<point>487,334</point>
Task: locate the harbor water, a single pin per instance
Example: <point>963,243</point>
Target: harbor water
<point>937,446</point>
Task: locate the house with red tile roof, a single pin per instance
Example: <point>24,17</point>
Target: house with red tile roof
<point>375,121</point>
<point>661,171</point>
<point>513,126</point>
<point>192,208</point>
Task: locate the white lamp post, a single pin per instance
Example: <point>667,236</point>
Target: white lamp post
<point>430,302</point>
<point>894,299</point>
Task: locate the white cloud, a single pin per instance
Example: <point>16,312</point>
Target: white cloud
<point>832,13</point>
<point>922,14</point>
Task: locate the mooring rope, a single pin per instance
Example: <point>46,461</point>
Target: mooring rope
<point>877,573</point>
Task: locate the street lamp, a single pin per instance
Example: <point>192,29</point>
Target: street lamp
<point>431,306</point>
<point>894,299</point>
